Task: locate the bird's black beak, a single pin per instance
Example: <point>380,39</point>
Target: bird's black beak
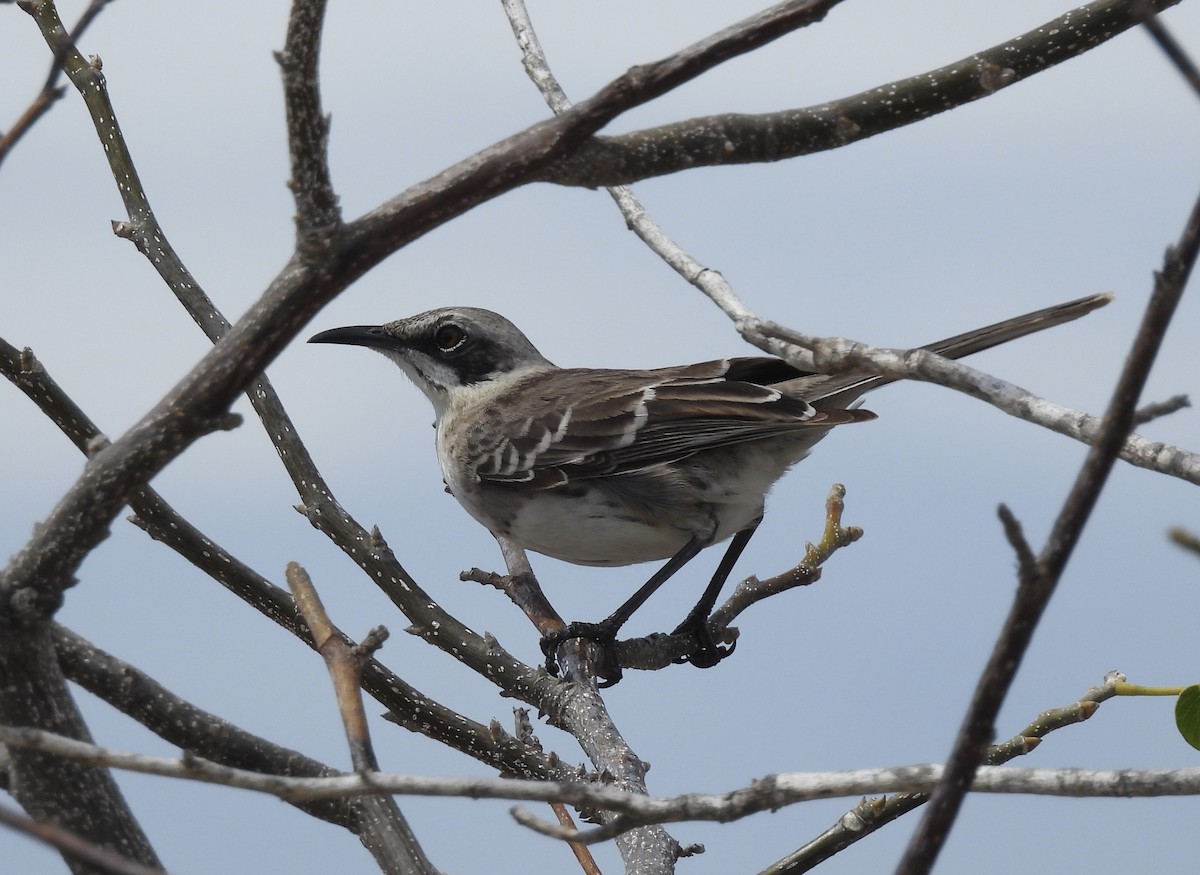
<point>356,335</point>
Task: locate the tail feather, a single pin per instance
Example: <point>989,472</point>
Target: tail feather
<point>841,390</point>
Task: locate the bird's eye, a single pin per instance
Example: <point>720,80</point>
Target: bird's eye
<point>449,337</point>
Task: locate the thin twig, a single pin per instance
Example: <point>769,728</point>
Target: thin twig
<point>834,537</point>
<point>1158,409</point>
<point>1185,539</point>
<point>1171,48</point>
<point>523,730</point>
<point>587,863</point>
<point>872,814</point>
<point>317,213</point>
<point>51,91</point>
<point>344,663</point>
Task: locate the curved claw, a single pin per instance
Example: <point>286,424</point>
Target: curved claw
<point>549,645</point>
<point>707,655</point>
<point>707,651</point>
<point>607,666</point>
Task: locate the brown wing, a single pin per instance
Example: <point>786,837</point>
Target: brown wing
<point>624,421</point>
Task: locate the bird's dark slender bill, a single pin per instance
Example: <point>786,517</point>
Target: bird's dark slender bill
<point>615,467</point>
<point>354,335</point>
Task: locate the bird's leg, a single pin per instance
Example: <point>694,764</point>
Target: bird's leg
<point>709,653</point>
<point>605,632</point>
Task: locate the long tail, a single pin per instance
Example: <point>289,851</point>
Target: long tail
<point>1019,326</point>
<point>840,391</point>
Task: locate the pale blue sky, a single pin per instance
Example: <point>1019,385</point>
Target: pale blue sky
<point>1068,184</point>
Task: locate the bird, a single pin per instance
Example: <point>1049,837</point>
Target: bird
<point>612,467</point>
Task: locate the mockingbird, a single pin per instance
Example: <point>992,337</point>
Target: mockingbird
<point>612,467</point>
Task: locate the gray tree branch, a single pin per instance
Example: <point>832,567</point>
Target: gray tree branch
<point>738,138</point>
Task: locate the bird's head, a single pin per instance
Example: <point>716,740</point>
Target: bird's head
<point>447,352</point>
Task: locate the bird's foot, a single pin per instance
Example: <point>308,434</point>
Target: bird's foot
<point>707,652</point>
<point>604,635</point>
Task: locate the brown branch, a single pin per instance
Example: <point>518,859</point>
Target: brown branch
<point>738,138</point>
<point>345,664</point>
<point>317,213</point>
<point>1185,539</point>
<point>51,91</point>
<point>523,730</point>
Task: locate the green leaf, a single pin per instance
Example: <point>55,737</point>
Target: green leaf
<point>1187,715</point>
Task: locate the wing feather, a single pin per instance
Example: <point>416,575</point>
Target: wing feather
<point>627,421</point>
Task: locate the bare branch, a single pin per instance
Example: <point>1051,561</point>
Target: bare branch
<point>708,281</point>
<point>345,666</point>
<point>375,820</point>
<point>766,794</point>
<point>586,716</point>
<point>1158,409</point>
<point>1185,539</point>
<point>832,354</point>
<point>1038,584</point>
<point>1170,46</point>
<point>72,847</point>
<point>874,813</point>
<point>79,798</point>
<point>51,91</point>
<point>659,650</point>
<point>317,213</point>
<point>407,706</point>
<point>808,571</point>
<point>737,138</point>
<point>521,586</point>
